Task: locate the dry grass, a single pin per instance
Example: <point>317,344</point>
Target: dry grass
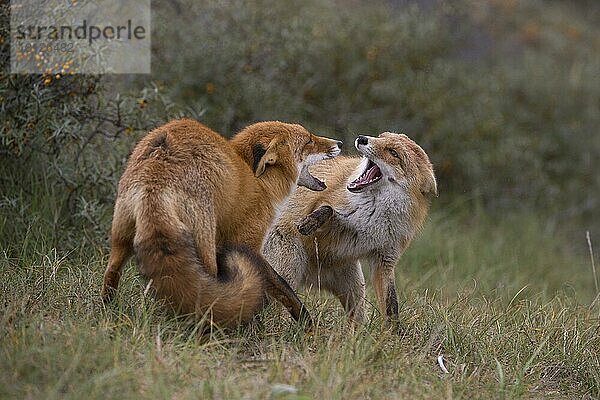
<point>509,313</point>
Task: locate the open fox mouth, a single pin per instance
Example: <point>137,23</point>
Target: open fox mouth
<point>371,174</point>
<point>307,180</point>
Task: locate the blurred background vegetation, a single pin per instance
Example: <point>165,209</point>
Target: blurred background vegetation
<point>504,95</point>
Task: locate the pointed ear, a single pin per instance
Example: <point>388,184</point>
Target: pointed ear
<point>429,185</point>
<point>264,157</point>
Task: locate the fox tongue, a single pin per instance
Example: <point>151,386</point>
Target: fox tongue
<point>371,174</point>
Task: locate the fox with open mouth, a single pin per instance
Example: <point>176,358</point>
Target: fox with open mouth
<point>373,208</point>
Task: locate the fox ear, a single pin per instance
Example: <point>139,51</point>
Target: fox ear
<point>429,185</point>
<point>264,157</point>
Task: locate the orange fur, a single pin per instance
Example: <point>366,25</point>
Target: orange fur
<point>194,208</point>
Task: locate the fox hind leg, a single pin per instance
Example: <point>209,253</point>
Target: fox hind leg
<point>385,290</point>
<point>123,230</point>
<point>120,253</point>
<point>281,291</point>
<point>286,253</point>
<point>287,256</point>
<point>347,283</point>
<point>276,287</point>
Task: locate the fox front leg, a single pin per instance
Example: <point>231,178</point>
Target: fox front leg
<point>315,220</point>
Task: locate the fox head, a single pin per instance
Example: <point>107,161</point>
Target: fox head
<point>393,159</point>
<point>277,147</point>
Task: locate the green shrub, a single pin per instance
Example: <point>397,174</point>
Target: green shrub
<point>63,143</point>
<point>504,96</point>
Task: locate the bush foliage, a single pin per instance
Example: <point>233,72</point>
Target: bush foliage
<point>504,96</point>
<point>63,142</point>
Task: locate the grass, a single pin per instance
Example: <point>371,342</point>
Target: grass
<point>510,301</point>
<point>510,308</point>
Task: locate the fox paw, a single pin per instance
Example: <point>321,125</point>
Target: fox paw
<point>107,294</point>
<point>315,220</point>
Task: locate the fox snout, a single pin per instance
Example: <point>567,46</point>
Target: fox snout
<point>336,149</point>
<point>364,144</point>
<point>331,148</point>
<point>361,140</point>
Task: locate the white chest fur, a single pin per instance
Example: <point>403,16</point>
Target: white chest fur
<point>375,220</point>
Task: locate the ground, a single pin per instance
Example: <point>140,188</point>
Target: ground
<point>512,309</point>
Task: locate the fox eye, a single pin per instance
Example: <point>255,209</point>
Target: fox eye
<point>394,153</point>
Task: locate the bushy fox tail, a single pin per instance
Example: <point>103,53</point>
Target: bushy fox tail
<point>168,257</point>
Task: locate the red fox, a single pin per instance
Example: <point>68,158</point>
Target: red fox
<point>194,209</point>
<point>371,211</point>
